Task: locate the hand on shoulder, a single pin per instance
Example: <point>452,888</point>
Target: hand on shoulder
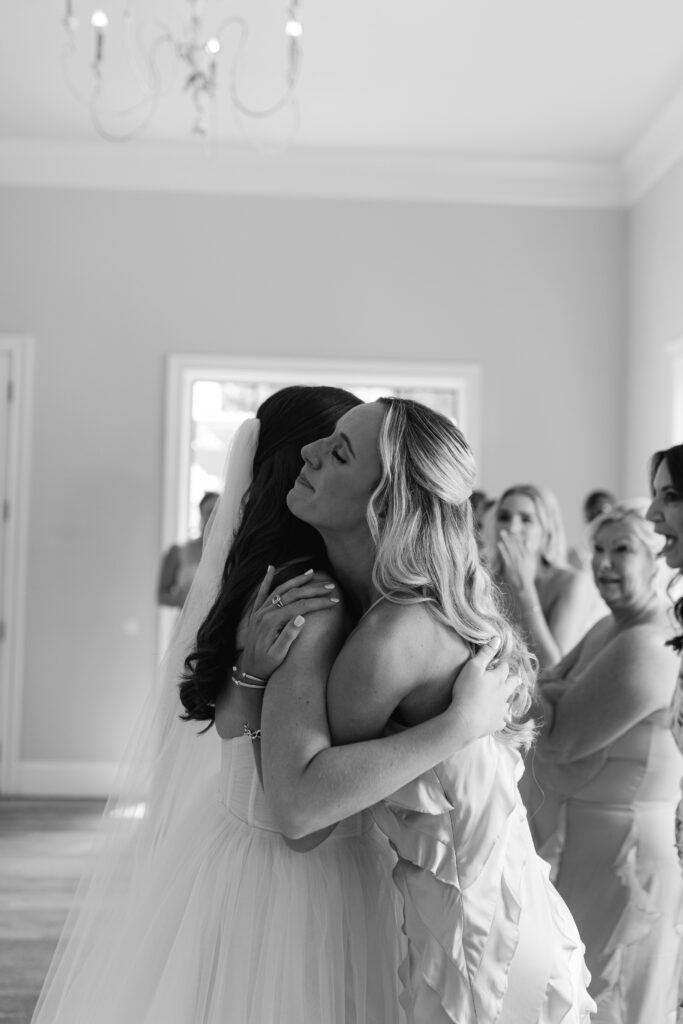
<point>398,655</point>
<point>278,616</point>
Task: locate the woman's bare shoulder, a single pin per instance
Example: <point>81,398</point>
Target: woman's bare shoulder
<point>409,631</point>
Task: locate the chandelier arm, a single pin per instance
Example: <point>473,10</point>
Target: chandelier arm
<point>133,44</point>
<point>269,148</point>
<point>68,53</point>
<point>91,101</point>
<point>201,81</point>
<point>293,74</point>
<point>124,136</point>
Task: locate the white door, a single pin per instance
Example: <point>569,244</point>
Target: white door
<point>5,511</point>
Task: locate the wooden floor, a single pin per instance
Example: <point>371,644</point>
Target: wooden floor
<point>44,847</point>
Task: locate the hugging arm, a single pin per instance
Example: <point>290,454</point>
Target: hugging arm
<point>552,683</point>
<point>312,784</point>
<point>624,684</point>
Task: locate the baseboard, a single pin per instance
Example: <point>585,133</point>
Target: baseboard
<point>62,778</point>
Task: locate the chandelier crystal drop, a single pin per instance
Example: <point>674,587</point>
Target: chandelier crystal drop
<point>195,49</point>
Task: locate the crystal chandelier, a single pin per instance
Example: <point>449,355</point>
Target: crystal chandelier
<point>196,51</point>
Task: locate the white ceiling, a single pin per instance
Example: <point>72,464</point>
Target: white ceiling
<point>583,83</point>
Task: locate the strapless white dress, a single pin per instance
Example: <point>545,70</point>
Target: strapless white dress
<point>237,928</point>
<point>490,941</point>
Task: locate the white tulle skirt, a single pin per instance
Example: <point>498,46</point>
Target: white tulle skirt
<point>236,928</point>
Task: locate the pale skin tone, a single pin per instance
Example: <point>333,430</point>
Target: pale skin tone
<point>549,602</point>
<point>666,512</point>
<point>398,661</point>
<point>340,780</point>
<point>621,672</point>
<point>313,784</point>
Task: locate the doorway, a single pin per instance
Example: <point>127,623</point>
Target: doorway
<point>16,364</point>
<point>207,399</point>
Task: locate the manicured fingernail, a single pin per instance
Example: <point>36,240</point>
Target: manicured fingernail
<point>271,568</point>
<point>308,572</point>
<point>334,600</point>
<point>329,586</point>
<point>299,620</point>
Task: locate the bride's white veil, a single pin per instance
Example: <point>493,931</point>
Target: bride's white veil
<point>166,770</point>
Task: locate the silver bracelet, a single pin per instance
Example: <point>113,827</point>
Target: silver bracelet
<point>242,679</point>
<point>252,734</point>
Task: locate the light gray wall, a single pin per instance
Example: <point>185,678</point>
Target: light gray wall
<point>655,317</point>
<point>109,283</point>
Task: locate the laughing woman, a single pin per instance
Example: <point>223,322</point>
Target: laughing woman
<point>666,512</point>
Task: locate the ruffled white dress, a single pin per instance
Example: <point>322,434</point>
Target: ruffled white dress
<point>489,939</point>
<point>233,927</point>
<point>614,862</point>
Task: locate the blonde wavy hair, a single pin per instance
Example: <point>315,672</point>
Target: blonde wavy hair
<point>421,522</point>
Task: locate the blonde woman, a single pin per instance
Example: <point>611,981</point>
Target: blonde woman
<point>552,603</point>
<point>608,756</point>
<point>489,940</point>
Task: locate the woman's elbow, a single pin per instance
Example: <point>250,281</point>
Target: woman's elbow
<point>309,842</point>
<point>293,817</point>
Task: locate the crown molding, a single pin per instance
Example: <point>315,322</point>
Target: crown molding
<point>308,173</point>
<point>657,150</point>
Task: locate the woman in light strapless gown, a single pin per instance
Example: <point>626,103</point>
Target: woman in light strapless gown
<point>666,513</point>
<point>198,909</point>
<point>489,941</point>
<point>609,762</point>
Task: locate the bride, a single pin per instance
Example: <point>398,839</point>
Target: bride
<point>198,909</point>
<point>488,938</point>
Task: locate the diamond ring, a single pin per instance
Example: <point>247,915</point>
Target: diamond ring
<point>276,600</point>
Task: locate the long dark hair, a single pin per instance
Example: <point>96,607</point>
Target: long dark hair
<point>673,459</point>
<point>268,533</point>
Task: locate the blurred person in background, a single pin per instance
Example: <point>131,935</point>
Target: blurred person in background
<point>180,562</point>
<point>481,505</point>
<point>594,504</point>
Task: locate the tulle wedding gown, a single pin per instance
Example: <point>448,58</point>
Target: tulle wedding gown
<point>233,927</point>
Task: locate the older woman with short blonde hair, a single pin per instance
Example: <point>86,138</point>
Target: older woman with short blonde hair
<point>608,756</point>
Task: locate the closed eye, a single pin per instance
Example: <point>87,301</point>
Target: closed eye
<point>337,456</point>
